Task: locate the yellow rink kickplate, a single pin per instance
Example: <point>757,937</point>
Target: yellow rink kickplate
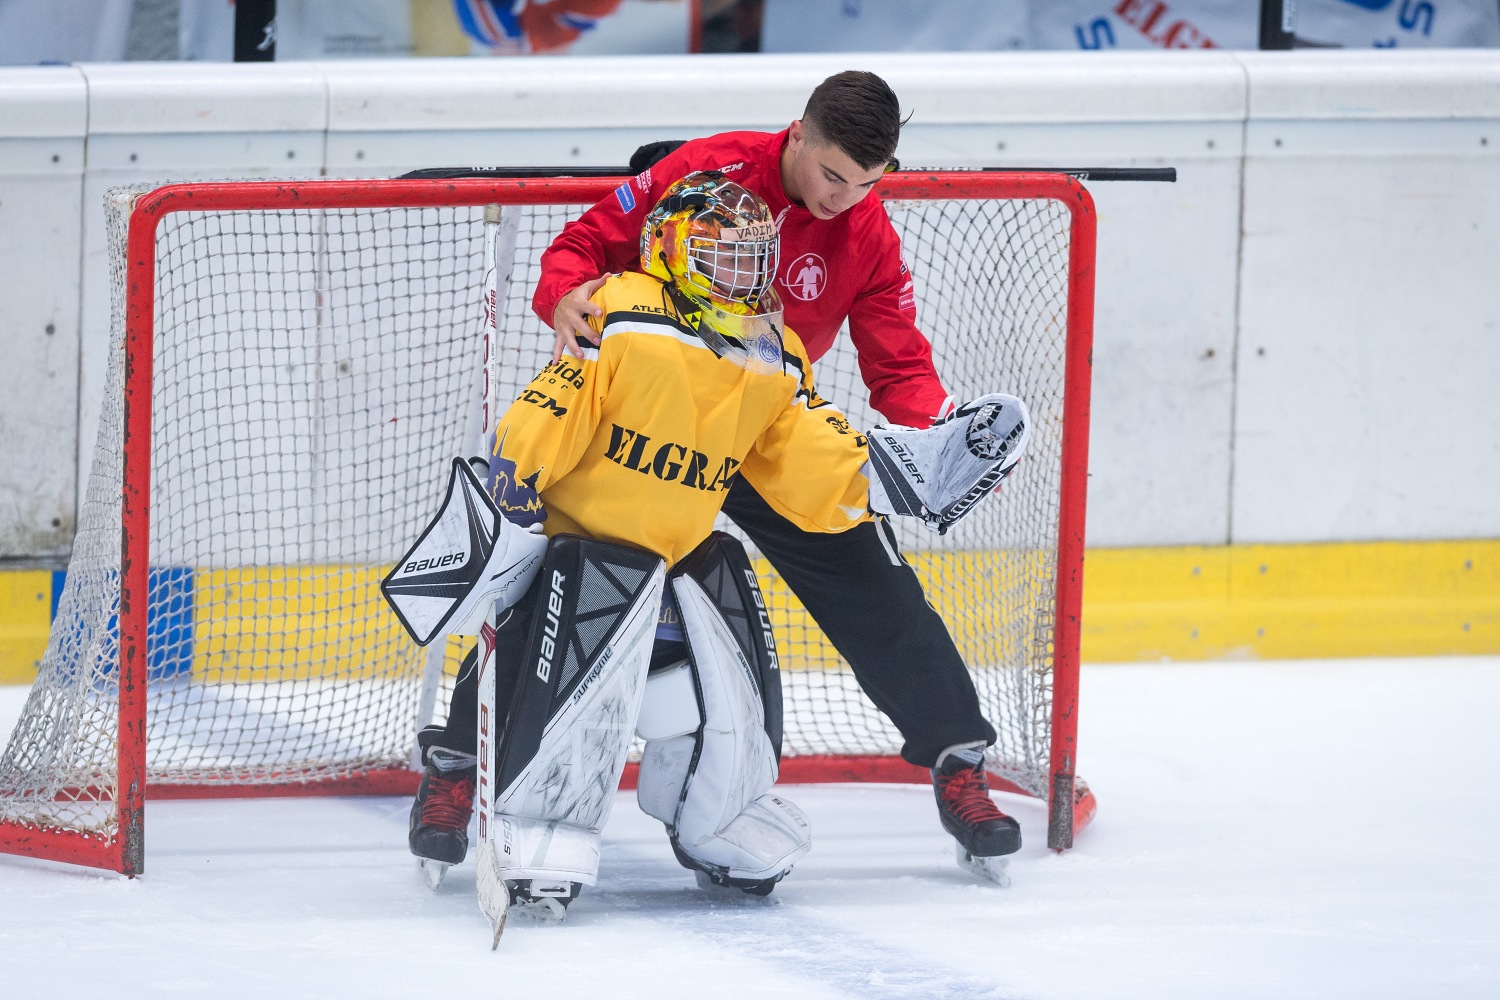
<point>1140,604</point>
<point>25,620</point>
<point>1292,601</point>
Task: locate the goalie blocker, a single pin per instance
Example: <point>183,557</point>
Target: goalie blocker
<point>711,719</point>
<point>466,560</point>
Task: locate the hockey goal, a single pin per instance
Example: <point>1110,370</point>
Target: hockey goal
<point>294,364</point>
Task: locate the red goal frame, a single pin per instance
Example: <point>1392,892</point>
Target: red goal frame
<point>1071,804</point>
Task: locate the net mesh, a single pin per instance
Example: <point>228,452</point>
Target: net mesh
<point>315,371</point>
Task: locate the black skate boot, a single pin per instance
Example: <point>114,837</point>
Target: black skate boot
<point>963,800</point>
<point>444,803</point>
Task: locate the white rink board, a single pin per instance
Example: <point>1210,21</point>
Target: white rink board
<point>1259,835</point>
<point>1365,403</point>
<point>42,130</point>
<point>178,122</point>
<point>1371,229</point>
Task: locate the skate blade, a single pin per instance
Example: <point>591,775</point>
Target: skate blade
<point>995,870</point>
<point>541,911</point>
<point>493,893</point>
<point>709,885</point>
<point>433,871</point>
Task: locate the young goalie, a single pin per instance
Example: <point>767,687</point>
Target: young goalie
<point>617,608</point>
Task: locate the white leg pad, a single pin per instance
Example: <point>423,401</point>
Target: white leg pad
<point>537,848</point>
<point>568,730</point>
<point>709,763</point>
<point>664,770</point>
<point>767,837</point>
<point>669,723</point>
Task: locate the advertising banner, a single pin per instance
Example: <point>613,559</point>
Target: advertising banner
<point>310,29</point>
<point>894,26</point>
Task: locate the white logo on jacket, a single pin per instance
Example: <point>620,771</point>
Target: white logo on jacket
<point>806,276</point>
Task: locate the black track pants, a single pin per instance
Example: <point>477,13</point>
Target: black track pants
<point>871,606</point>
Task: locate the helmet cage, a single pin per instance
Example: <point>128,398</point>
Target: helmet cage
<point>733,270</point>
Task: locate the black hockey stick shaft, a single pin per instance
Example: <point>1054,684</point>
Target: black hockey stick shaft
<point>1161,174</point>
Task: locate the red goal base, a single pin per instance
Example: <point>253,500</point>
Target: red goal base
<point>96,851</point>
<point>831,769</point>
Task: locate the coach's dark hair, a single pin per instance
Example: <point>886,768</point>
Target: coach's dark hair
<point>857,112</point>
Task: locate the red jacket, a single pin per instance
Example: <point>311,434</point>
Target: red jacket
<point>849,267</point>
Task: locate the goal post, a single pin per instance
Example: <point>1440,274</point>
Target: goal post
<point>292,365</point>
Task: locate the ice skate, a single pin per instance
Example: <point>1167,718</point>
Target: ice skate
<point>439,830</point>
<point>730,891</point>
<point>542,901</point>
<point>985,835</point>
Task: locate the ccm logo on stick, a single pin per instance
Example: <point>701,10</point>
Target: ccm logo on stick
<point>549,627</point>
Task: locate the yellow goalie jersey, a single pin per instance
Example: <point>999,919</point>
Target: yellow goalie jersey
<point>639,441</point>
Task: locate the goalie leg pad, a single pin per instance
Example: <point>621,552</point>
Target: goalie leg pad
<point>711,758</point>
<point>669,722</point>
<point>574,707</point>
<point>545,849</point>
<point>938,474</point>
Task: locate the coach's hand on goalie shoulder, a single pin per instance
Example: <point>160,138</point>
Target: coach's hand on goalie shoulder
<point>570,318</point>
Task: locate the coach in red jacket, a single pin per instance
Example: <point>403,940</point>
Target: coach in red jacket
<point>840,258</point>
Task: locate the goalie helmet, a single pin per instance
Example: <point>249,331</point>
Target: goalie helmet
<point>714,244</point>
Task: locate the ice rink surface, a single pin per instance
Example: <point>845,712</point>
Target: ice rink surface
<point>1265,830</point>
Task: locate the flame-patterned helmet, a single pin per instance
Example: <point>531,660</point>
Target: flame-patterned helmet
<point>713,239</point>
<point>715,245</point>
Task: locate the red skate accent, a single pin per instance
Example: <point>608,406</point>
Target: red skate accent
<point>967,796</point>
<point>449,803</point>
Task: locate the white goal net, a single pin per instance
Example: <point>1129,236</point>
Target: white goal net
<point>313,362</point>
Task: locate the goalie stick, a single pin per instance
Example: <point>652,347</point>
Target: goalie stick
<point>498,229</point>
<point>489,890</point>
<point>501,225</point>
<point>501,229</point>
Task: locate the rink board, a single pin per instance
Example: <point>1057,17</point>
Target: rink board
<point>1180,603</point>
